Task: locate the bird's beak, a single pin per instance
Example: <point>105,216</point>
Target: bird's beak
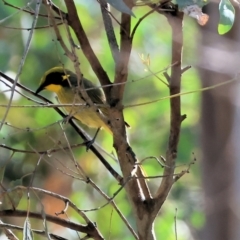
<point>40,88</point>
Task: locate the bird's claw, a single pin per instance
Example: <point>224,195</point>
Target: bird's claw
<point>91,142</point>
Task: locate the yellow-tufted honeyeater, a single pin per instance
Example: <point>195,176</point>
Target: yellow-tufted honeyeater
<point>65,84</point>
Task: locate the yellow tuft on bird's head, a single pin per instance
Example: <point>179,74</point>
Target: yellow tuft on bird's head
<point>55,79</point>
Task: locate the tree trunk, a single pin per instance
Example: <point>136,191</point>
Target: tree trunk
<point>219,62</point>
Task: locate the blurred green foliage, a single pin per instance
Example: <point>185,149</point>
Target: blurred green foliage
<point>38,129</point>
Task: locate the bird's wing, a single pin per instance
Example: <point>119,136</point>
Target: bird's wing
<point>94,93</point>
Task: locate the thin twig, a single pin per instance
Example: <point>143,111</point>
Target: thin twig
<point>75,23</point>
<point>73,57</point>
<point>139,21</point>
<point>176,23</point>
<point>75,127</point>
<point>89,229</point>
<point>28,29</point>
<point>46,152</point>
<point>25,10</point>
<point>185,93</point>
<point>77,165</point>
<point>175,224</point>
<point>38,232</point>
<point>38,5</point>
<point>186,68</point>
<point>181,174</point>
<point>115,207</point>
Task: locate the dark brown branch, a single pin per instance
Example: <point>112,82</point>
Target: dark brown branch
<point>139,21</point>
<point>137,189</point>
<point>42,152</point>
<point>89,229</point>
<point>122,65</point>
<point>11,236</point>
<point>76,25</point>
<point>126,156</point>
<point>176,23</point>
<point>121,74</point>
<point>165,74</point>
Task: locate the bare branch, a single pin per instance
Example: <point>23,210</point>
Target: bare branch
<point>27,11</point>
<point>75,23</point>
<point>75,127</point>
<point>38,5</point>
<point>175,118</point>
<point>38,232</point>
<point>89,229</point>
<point>185,69</point>
<point>139,21</point>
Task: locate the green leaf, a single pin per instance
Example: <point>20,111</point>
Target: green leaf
<point>227,16</point>
<point>121,6</point>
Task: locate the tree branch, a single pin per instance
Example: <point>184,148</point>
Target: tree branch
<point>11,236</point>
<point>75,127</point>
<point>176,23</point>
<point>75,23</point>
<point>89,229</point>
<point>137,189</point>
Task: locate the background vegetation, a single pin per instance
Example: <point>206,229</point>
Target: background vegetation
<point>37,129</point>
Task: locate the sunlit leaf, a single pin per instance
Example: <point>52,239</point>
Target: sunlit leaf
<point>227,16</point>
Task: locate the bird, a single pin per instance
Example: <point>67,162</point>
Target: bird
<point>64,83</point>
